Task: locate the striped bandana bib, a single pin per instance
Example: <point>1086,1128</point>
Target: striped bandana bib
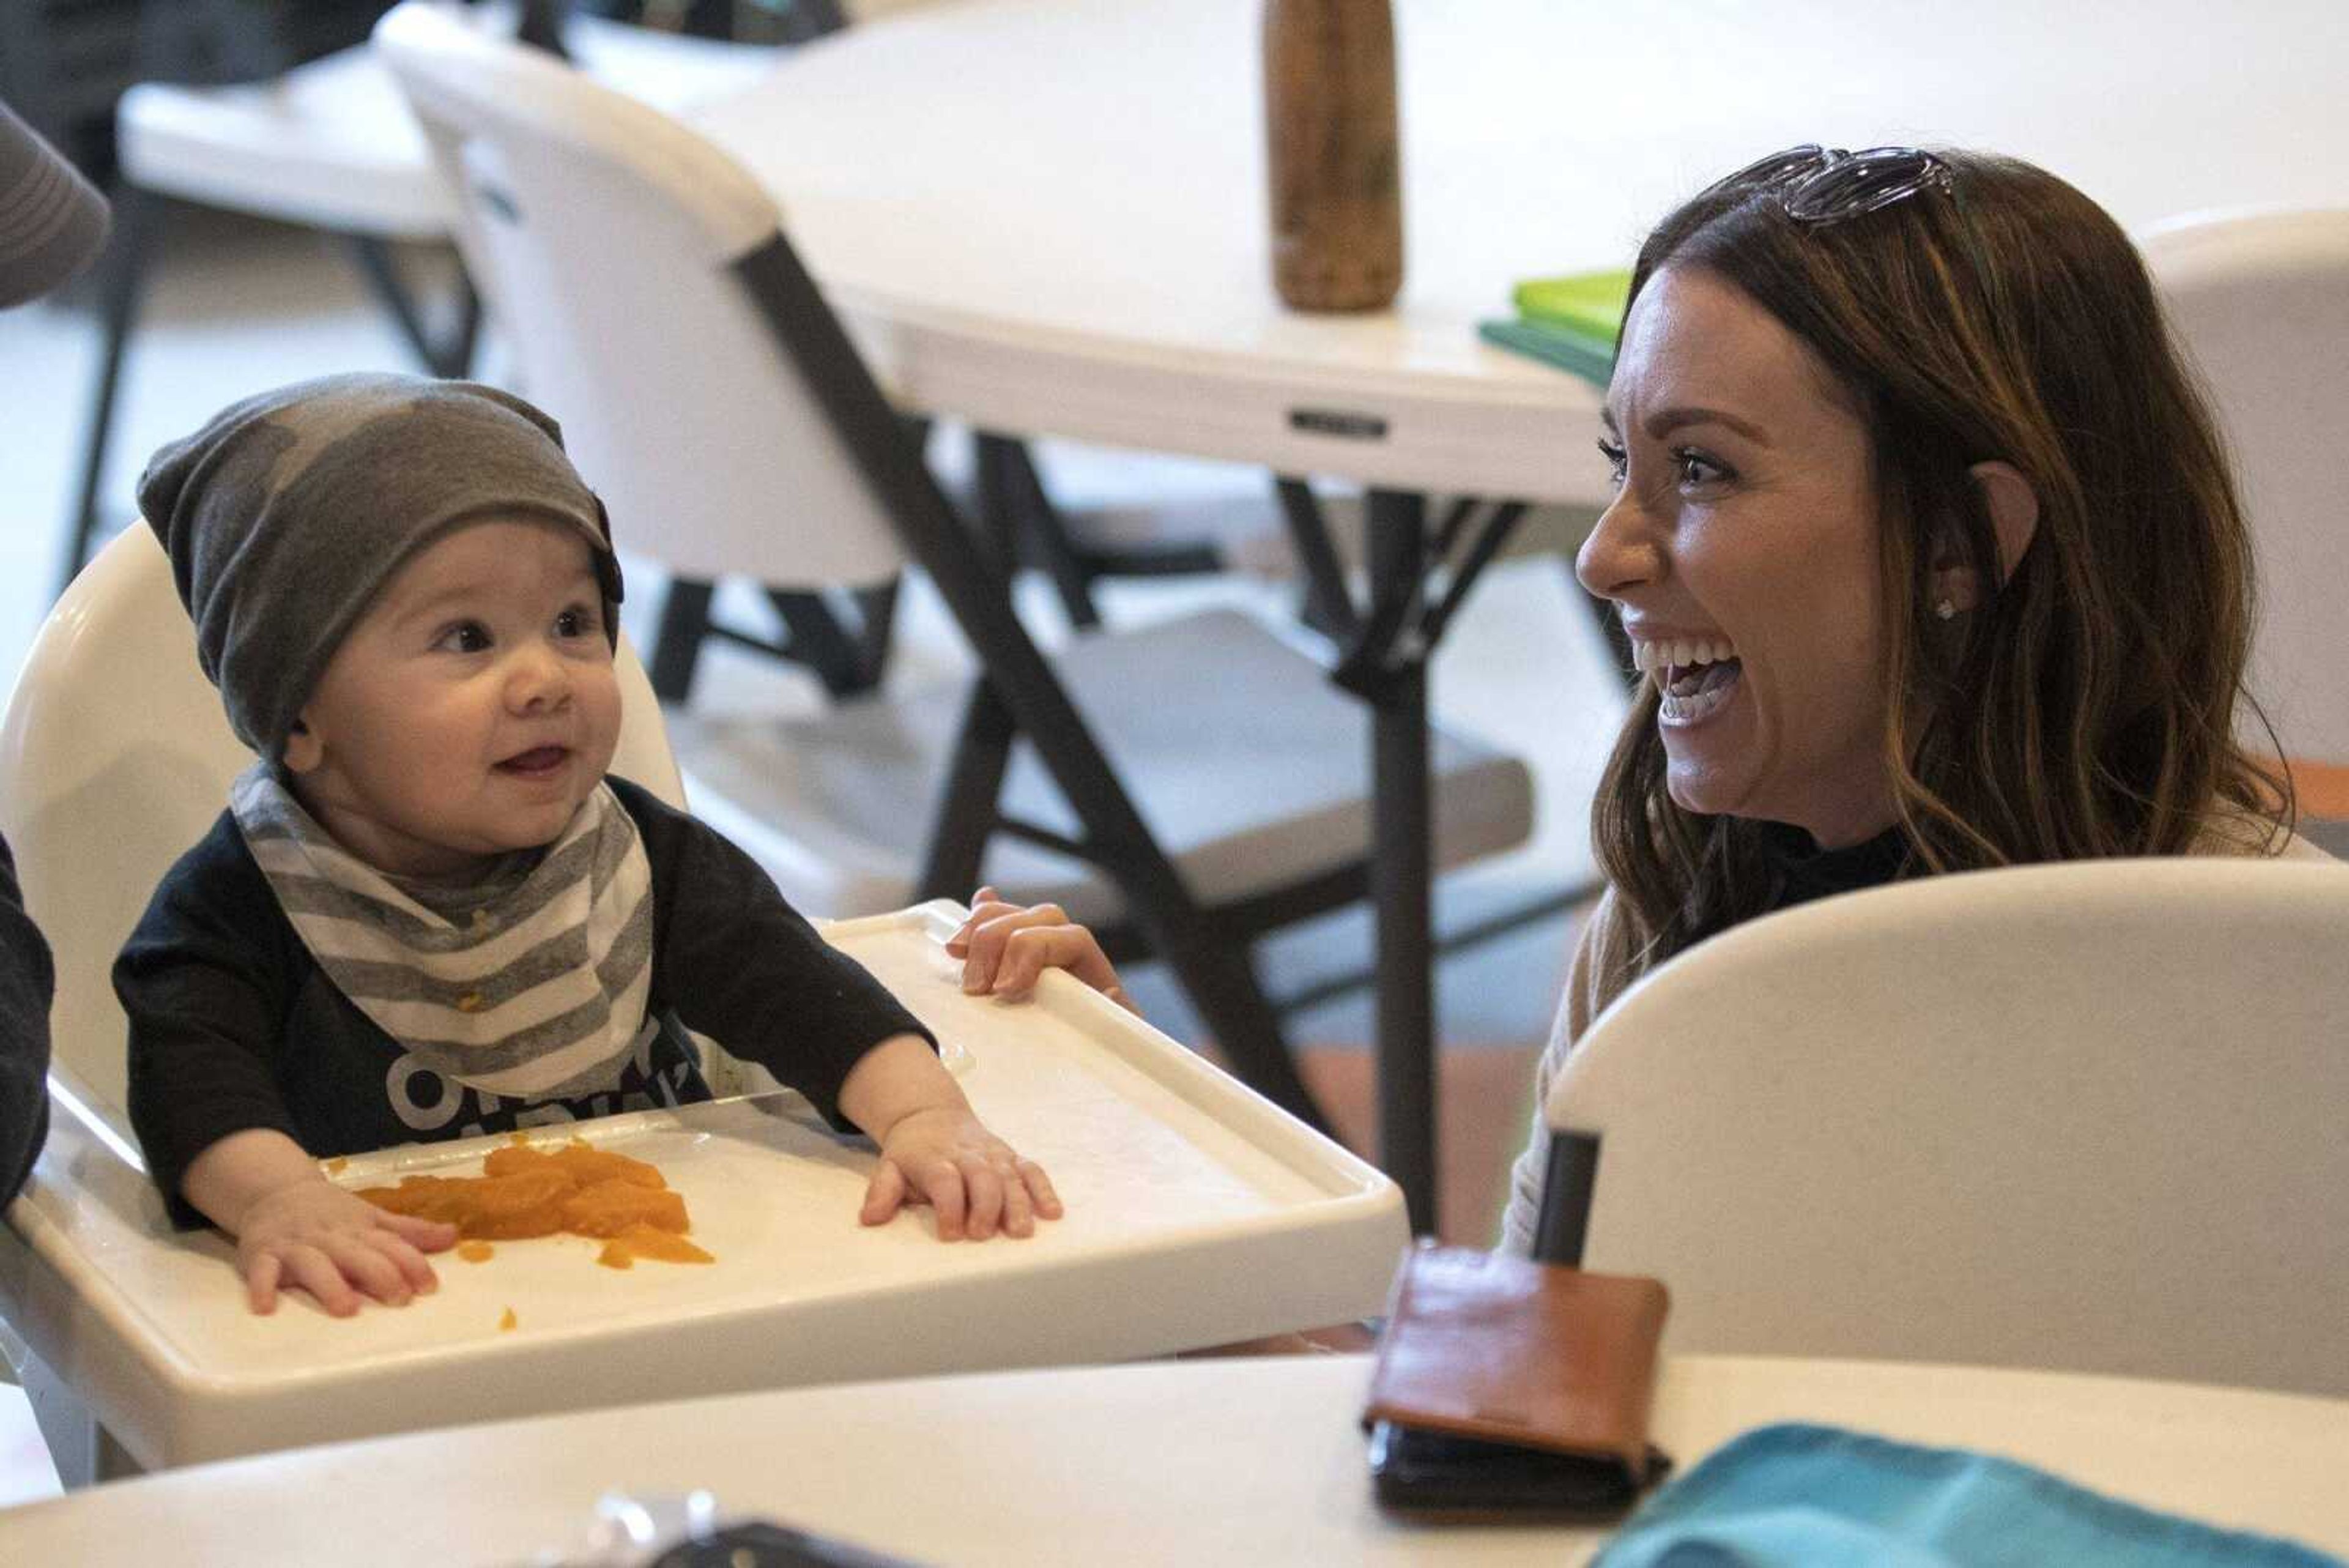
<point>539,993</point>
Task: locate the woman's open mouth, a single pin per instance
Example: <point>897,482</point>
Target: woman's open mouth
<point>1694,675</point>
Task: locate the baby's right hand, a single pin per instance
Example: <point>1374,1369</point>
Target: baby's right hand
<point>313,1234</point>
<point>1006,948</point>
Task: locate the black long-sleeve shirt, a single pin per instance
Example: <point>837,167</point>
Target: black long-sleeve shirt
<point>234,1024</point>
<point>28,982</point>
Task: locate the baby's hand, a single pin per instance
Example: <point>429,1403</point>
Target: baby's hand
<point>946,1157</point>
<point>1006,948</point>
<point>314,1234</point>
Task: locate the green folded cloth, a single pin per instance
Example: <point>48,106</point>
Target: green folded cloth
<point>1593,359</point>
<point>1588,303</point>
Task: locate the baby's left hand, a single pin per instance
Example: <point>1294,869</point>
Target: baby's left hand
<point>1006,948</point>
<point>945,1158</point>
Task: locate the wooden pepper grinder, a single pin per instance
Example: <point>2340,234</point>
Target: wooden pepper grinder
<point>1333,153</point>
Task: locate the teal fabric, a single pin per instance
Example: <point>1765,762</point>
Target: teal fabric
<point>1571,351</point>
<point>1779,1497</point>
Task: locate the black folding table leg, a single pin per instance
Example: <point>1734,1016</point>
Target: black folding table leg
<point>1401,866</point>
<point>1329,608</point>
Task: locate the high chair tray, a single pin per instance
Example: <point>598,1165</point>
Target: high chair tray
<point>1197,1213</point>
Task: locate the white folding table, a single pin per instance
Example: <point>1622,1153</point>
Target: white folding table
<point>1251,1460</point>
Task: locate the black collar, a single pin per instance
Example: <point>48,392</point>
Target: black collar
<point>1804,872</point>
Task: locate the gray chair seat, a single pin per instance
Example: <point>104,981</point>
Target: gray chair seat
<point>1251,769</point>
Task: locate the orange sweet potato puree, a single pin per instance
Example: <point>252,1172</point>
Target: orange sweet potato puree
<point>527,1190</point>
<point>646,1241</point>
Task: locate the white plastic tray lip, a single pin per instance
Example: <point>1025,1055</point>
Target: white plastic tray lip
<point>1339,1172</point>
<point>1356,1194</point>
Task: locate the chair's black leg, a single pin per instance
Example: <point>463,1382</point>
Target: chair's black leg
<point>453,356</point>
<point>139,222</point>
<point>976,588</point>
<point>878,606</point>
<point>684,622</point>
<point>968,799</point>
<point>1046,533</point>
<point>456,356</point>
<point>998,507</point>
<point>374,258</point>
<point>807,19</point>
<point>1214,969</point>
<point>847,662</point>
<point>1219,976</point>
<point>1019,522</point>
<point>840,660</point>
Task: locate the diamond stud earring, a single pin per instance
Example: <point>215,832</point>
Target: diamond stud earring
<point>1946,608</point>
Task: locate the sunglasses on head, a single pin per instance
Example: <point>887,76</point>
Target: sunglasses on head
<point>1814,185</point>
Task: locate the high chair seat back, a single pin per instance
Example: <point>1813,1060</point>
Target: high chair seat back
<point>114,757</point>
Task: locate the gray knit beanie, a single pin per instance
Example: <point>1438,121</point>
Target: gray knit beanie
<point>288,512</point>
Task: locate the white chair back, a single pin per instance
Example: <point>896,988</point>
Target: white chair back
<point>2261,301</point>
<point>683,415</point>
<point>2084,1117</point>
<point>115,758</point>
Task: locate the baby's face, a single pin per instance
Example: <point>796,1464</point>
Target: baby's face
<point>471,709</point>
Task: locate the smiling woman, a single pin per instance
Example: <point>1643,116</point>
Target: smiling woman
<point>1928,546</point>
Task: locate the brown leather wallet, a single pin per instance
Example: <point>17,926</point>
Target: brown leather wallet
<point>1514,1355</point>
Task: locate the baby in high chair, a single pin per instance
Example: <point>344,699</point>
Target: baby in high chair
<point>428,912</point>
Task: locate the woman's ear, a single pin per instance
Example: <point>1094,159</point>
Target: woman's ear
<point>303,751</point>
<point>2014,508</point>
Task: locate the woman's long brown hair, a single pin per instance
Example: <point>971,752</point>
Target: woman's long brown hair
<point>2086,707</point>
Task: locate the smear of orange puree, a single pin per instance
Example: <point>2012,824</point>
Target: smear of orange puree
<point>508,1321</point>
<point>527,1190</point>
<point>647,1242</point>
<point>476,1252</point>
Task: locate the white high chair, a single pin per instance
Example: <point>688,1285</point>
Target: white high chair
<point>2084,1117</point>
<point>1198,1212</point>
<point>116,758</point>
